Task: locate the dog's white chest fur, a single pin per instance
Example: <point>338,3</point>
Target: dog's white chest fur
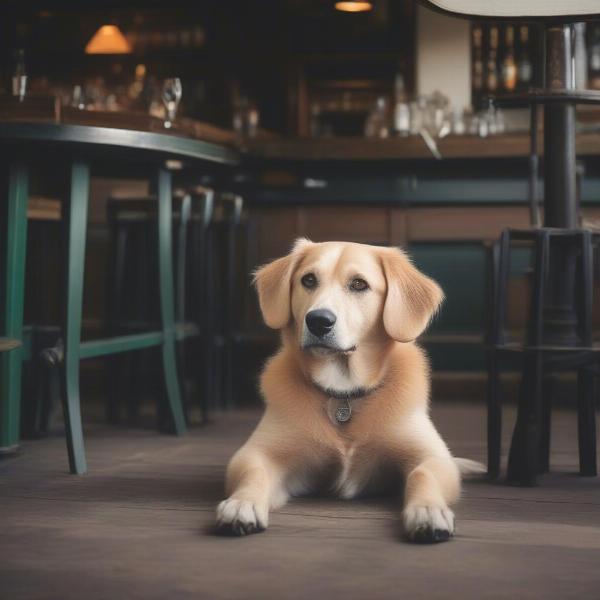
<point>348,483</point>
<point>334,375</point>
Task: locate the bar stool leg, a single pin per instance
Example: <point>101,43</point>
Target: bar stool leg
<point>494,418</point>
<point>548,385</point>
<point>180,295</point>
<point>523,460</point>
<point>586,422</point>
<point>76,223</point>
<point>165,268</point>
<point>11,361</point>
<point>498,268</point>
<point>116,281</point>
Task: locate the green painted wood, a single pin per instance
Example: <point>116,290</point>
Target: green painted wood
<point>88,135</point>
<point>76,216</point>
<point>165,268</point>
<point>184,221</point>
<point>11,362</point>
<point>123,343</point>
<point>461,271</point>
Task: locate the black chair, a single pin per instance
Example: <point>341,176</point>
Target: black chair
<point>132,294</point>
<point>560,332</point>
<point>41,390</point>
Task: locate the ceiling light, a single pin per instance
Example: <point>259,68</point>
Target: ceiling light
<point>108,40</point>
<point>353,6</point>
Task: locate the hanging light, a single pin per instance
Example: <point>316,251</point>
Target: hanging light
<point>108,40</point>
<point>354,6</point>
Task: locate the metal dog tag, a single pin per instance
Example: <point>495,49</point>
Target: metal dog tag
<point>343,413</point>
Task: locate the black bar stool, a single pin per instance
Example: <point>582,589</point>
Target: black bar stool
<point>42,330</point>
<point>541,358</point>
<point>132,291</point>
<point>560,247</point>
<point>223,297</point>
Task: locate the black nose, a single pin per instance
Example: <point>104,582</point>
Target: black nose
<point>320,321</point>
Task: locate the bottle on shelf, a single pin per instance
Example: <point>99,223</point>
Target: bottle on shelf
<point>581,67</point>
<point>376,124</point>
<point>594,59</point>
<point>509,67</point>
<point>401,124</point>
<point>524,64</point>
<point>493,76</point>
<point>19,79</point>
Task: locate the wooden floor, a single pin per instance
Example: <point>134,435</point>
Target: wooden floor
<point>139,526</point>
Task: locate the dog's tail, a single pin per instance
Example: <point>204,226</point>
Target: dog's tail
<point>469,468</point>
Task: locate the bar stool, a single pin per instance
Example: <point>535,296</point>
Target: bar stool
<point>559,325</point>
<point>42,313</point>
<point>131,283</point>
<point>541,359</point>
<point>227,237</point>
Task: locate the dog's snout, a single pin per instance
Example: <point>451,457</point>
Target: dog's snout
<point>320,321</point>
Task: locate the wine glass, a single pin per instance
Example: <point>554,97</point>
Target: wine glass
<point>171,96</point>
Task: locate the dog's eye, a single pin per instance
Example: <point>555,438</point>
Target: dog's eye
<point>309,280</point>
<point>359,285</point>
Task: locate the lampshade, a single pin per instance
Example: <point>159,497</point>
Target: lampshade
<point>108,40</point>
<point>354,6</point>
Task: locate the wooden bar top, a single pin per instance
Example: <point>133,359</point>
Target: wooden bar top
<point>271,147</point>
<point>413,147</point>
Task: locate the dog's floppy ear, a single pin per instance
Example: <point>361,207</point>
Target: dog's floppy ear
<point>412,298</point>
<point>273,283</point>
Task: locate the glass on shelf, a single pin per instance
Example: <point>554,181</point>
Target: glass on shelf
<point>377,123</point>
<point>171,97</point>
<point>19,79</point>
<point>78,97</point>
<point>246,118</point>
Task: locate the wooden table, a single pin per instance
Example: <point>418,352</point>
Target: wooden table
<point>79,147</point>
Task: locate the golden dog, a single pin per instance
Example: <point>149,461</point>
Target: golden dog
<point>347,396</point>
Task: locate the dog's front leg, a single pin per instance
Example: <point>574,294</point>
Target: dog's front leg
<point>432,483</point>
<point>430,488</point>
<point>254,485</point>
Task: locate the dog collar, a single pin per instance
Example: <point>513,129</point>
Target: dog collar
<point>354,394</point>
<point>338,406</point>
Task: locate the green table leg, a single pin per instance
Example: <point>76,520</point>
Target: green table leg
<point>11,361</point>
<point>165,272</point>
<point>76,222</point>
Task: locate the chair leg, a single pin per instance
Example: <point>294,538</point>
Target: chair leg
<point>494,416</point>
<point>524,451</point>
<point>76,222</point>
<point>165,268</point>
<point>548,385</point>
<point>116,281</point>
<point>586,422</point>
<point>15,235</point>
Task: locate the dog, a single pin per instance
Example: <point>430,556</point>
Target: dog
<point>347,395</point>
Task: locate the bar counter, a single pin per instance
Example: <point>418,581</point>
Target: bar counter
<point>512,145</point>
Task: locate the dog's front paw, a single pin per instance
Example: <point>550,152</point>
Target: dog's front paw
<point>428,524</point>
<point>241,517</point>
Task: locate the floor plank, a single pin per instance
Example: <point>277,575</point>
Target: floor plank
<point>139,526</point>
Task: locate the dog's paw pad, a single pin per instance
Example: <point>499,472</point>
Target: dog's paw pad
<point>240,517</point>
<point>428,524</point>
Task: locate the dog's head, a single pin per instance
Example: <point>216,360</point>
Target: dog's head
<point>336,296</point>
